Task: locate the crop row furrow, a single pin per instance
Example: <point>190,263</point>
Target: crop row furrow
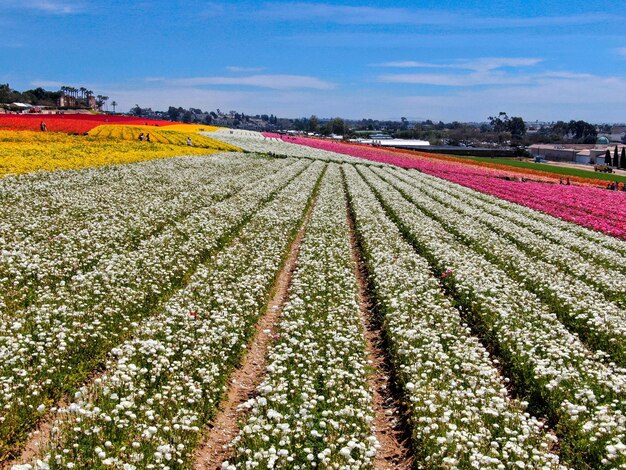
<point>162,386</point>
<point>460,410</point>
<point>601,324</point>
<point>314,406</point>
<point>59,343</point>
<point>609,282</point>
<point>603,249</point>
<point>585,398</point>
<point>257,142</point>
<point>83,230</point>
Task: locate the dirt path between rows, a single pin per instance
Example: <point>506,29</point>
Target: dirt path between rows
<point>38,440</point>
<point>390,427</point>
<point>215,448</point>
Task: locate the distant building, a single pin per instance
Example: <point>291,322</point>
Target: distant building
<point>67,101</point>
<point>575,153</point>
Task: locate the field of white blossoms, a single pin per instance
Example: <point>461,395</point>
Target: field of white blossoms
<point>130,294</point>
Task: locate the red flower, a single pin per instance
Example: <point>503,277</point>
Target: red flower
<point>447,273</point>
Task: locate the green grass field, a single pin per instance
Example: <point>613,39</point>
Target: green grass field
<point>559,170</point>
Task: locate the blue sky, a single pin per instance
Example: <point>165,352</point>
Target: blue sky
<point>447,59</point>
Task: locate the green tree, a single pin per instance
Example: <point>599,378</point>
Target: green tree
<point>136,111</point>
<point>622,160</point>
<point>173,113</point>
<point>615,158</point>
<point>314,123</point>
<point>499,122</point>
<point>337,126</point>
<point>583,131</point>
<point>516,127</point>
<point>607,157</point>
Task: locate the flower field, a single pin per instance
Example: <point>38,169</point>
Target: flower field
<point>173,135</point>
<point>585,205</point>
<point>27,151</point>
<point>130,294</point>
<point>70,123</point>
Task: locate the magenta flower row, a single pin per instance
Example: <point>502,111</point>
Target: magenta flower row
<point>591,207</point>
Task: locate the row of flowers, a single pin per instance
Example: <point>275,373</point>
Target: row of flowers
<point>508,170</point>
<point>313,408</point>
<point>56,344</point>
<point>162,386</point>
<point>483,167</point>
<point>591,207</point>
<point>24,152</point>
<point>252,141</point>
<point>578,391</point>
<point>591,245</point>
<point>460,410</point>
<point>58,225</point>
<point>70,123</point>
<point>600,323</point>
<point>173,135</point>
<point>607,279</point>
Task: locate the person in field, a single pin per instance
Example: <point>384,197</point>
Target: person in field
<point>148,138</point>
<point>141,137</point>
<point>43,127</point>
<point>189,141</point>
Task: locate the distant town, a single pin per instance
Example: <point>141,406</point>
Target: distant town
<point>575,141</point>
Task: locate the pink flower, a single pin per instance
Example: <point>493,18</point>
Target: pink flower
<point>590,207</point>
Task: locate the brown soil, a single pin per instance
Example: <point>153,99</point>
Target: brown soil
<point>390,426</point>
<point>37,441</point>
<point>39,438</point>
<point>215,448</point>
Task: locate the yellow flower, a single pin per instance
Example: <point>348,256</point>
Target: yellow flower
<point>167,135</point>
<point>24,151</point>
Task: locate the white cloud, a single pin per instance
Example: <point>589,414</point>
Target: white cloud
<point>411,64</point>
<point>492,63</point>
<point>297,11</point>
<point>53,7</point>
<point>548,96</point>
<point>237,69</point>
<point>277,82</point>
<point>365,15</point>
<point>456,80</point>
<point>622,51</point>
<point>479,64</point>
<point>478,72</point>
<point>592,98</point>
<point>487,78</point>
